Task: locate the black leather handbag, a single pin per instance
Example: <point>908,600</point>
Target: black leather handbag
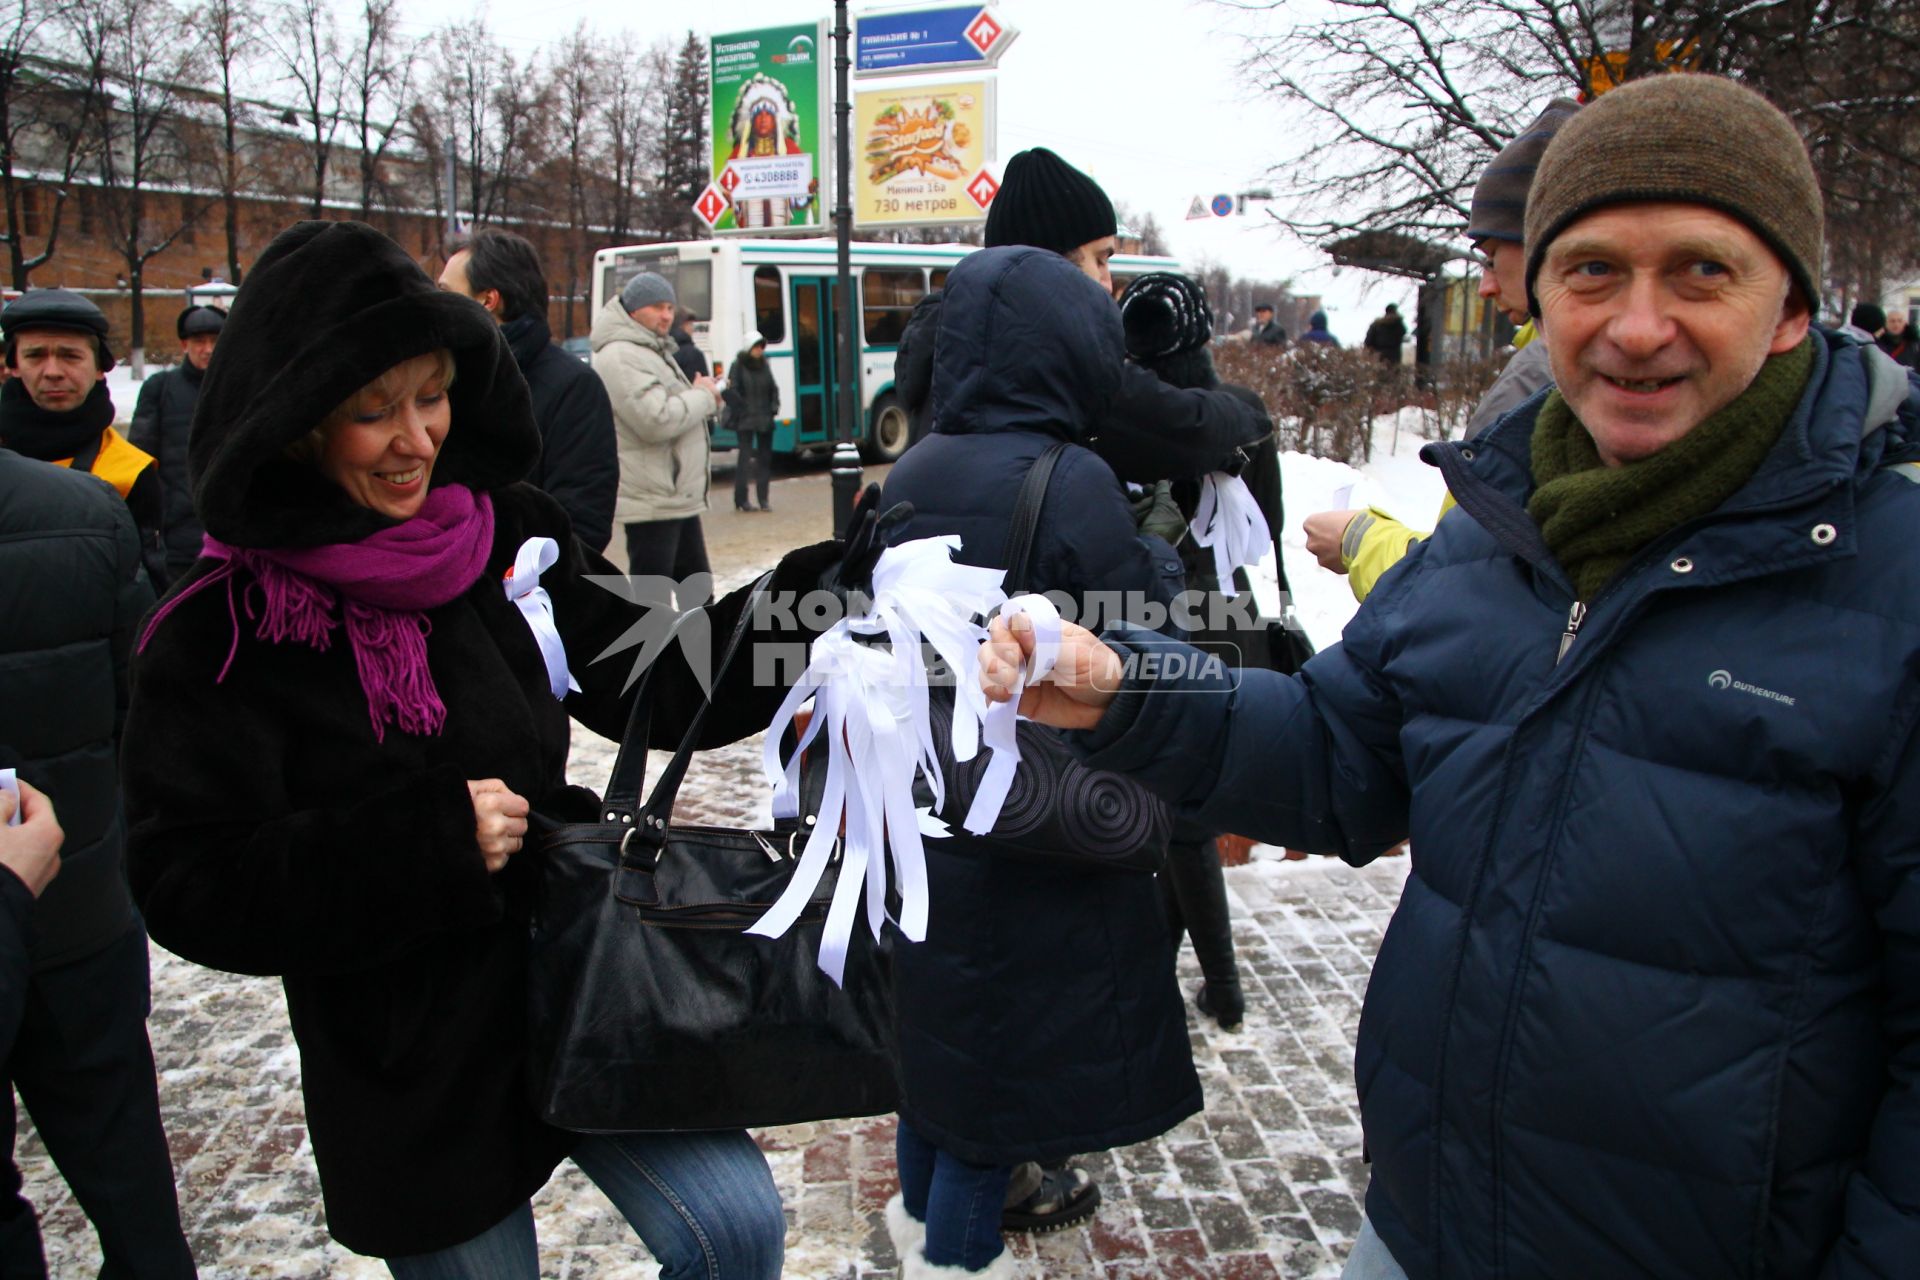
<point>653,1009</point>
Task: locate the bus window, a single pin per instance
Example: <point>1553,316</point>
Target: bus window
<point>888,294</point>
<point>769,309</point>
<point>692,281</point>
<point>940,277</point>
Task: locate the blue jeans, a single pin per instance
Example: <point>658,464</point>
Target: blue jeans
<point>703,1203</point>
<point>1370,1259</point>
<point>960,1202</point>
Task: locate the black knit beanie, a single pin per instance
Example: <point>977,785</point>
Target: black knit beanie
<point>1688,139</point>
<point>1164,314</point>
<point>1499,207</point>
<point>328,308</point>
<point>1047,203</point>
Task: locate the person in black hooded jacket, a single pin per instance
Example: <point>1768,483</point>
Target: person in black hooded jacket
<point>578,465</point>
<point>1040,1017</point>
<point>346,810</point>
<point>162,417</point>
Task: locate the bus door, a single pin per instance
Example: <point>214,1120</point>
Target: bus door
<point>814,363</point>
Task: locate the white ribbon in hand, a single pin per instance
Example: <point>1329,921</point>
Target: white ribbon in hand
<point>1003,718</point>
<point>1230,522</point>
<point>535,557</point>
<point>870,702</point>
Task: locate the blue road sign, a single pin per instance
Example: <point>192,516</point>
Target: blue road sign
<point>904,41</point>
<point>1222,206</point>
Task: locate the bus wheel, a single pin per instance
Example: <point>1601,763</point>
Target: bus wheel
<point>892,432</point>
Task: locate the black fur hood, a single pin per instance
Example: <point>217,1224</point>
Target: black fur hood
<point>328,308</point>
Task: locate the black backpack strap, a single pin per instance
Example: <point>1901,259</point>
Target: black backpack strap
<point>1025,521</point>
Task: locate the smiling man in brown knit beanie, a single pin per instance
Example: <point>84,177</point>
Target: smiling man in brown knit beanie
<point>1649,1005</point>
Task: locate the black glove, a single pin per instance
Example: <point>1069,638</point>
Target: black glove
<point>871,530</point>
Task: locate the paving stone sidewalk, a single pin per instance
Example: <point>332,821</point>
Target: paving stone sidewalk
<point>1265,1183</point>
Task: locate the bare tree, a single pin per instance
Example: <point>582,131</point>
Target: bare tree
<point>377,77</point>
<point>578,88</point>
<point>308,44</point>
<point>230,29</point>
<point>630,128</point>
<point>143,69</point>
<point>466,63</point>
<point>45,107</point>
<point>518,143</point>
<point>1401,105</point>
<point>685,163</point>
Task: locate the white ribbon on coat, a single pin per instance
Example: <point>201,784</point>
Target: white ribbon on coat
<point>870,703</point>
<point>1003,718</point>
<point>535,557</point>
<point>1230,522</point>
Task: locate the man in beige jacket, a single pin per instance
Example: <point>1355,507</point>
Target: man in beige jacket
<point>660,420</point>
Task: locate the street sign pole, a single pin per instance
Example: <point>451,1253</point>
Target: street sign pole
<point>846,457</point>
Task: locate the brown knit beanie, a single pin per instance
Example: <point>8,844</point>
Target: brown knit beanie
<point>1691,139</point>
<point>1500,197</point>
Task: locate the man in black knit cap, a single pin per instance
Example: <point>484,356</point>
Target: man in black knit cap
<point>1152,431</point>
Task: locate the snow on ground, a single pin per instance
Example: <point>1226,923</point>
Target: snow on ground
<point>1396,481</point>
<point>124,390</point>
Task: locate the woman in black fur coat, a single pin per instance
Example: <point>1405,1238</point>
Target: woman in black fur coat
<point>339,724</point>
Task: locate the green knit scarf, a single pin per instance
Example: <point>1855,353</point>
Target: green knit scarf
<point>1595,517</point>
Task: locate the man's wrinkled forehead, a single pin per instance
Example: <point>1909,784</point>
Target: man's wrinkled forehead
<point>69,344</point>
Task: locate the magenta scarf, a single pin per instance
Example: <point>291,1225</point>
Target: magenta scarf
<point>385,582</point>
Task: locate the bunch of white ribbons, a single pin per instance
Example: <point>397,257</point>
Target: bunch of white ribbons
<point>871,709</point>
<point>1229,521</point>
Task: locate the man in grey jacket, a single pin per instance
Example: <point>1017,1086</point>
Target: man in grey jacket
<point>660,420</point>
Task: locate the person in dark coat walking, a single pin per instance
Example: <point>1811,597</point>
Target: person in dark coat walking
<point>71,591</point>
<point>1387,335</point>
<point>334,785</point>
<point>1150,431</point>
<point>1649,1006</point>
<point>55,407</point>
<point>686,353</point>
<point>753,398</point>
<point>1040,1017</point>
<point>578,467</point>
<point>1317,331</point>
<point>162,419</point>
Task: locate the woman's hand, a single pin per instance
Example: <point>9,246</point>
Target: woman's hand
<point>499,820</point>
<point>1085,676</point>
<point>32,849</point>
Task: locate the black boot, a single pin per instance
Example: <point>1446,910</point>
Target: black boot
<point>1200,890</point>
<point>1044,1198</point>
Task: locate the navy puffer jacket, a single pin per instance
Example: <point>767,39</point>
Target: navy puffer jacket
<point>1650,1004</point>
<point>1040,1018</point>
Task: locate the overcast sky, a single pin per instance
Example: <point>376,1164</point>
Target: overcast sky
<point>1144,95</point>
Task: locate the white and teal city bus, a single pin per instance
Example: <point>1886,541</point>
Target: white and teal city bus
<point>783,290</point>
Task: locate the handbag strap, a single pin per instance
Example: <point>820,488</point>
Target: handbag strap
<point>622,801</point>
<point>1025,521</point>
